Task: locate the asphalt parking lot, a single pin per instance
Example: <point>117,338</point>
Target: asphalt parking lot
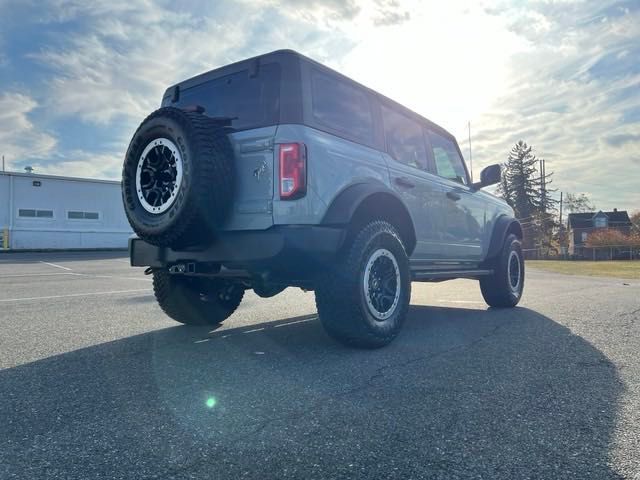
<point>95,382</point>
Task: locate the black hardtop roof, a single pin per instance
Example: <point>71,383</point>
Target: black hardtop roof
<point>292,54</point>
<point>585,220</point>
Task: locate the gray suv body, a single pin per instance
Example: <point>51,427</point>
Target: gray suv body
<point>320,178</point>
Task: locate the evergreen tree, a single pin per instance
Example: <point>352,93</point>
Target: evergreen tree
<point>527,192</point>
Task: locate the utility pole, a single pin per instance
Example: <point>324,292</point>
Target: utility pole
<point>543,182</point>
<point>560,209</point>
<point>470,158</point>
<point>3,163</point>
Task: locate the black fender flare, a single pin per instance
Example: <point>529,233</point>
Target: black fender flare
<point>504,226</point>
<point>345,205</point>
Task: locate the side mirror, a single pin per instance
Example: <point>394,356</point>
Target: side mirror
<point>489,176</point>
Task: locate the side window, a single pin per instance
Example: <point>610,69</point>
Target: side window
<point>342,107</point>
<point>448,163</point>
<point>405,141</point>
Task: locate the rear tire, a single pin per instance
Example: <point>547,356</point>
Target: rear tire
<point>363,300</point>
<point>504,288</point>
<point>196,300</point>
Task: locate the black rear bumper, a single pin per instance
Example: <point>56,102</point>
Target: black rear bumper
<point>280,248</point>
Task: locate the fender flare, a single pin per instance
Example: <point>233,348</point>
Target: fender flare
<point>345,205</point>
<point>504,226</point>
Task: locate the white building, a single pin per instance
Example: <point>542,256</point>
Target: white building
<point>46,211</point>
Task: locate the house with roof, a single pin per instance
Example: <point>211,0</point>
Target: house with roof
<point>581,225</point>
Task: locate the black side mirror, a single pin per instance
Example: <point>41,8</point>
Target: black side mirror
<point>489,176</point>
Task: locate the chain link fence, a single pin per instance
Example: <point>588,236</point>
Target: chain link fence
<point>604,252</point>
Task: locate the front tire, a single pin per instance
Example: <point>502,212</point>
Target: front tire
<point>196,300</point>
<point>504,288</point>
<point>363,300</point>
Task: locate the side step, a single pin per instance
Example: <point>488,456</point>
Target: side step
<point>437,275</point>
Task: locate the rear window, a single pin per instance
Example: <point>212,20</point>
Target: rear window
<point>342,108</point>
<point>255,101</point>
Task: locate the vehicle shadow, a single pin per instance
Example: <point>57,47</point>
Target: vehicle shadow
<point>461,393</point>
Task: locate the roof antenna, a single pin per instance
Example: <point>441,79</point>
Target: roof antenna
<point>470,157</point>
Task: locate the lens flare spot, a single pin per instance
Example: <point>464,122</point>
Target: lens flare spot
<point>211,402</point>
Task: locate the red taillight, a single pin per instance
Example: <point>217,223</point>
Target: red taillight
<point>293,170</point>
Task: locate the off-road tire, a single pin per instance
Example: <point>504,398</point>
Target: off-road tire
<point>500,290</point>
<point>196,300</point>
<point>340,295</point>
<point>205,193</point>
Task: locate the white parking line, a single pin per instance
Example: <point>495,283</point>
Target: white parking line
<point>117,278</point>
<point>39,274</point>
<point>293,323</point>
<point>254,330</point>
<point>73,295</point>
<point>56,266</point>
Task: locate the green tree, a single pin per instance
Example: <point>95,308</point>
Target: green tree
<point>579,203</point>
<point>522,184</point>
<point>525,189</point>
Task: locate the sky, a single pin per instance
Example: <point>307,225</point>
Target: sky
<point>77,77</point>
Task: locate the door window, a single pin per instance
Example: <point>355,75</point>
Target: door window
<point>448,163</point>
<point>405,141</point>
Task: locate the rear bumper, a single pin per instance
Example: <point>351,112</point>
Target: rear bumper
<point>281,248</point>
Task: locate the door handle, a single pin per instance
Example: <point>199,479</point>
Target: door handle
<point>453,195</point>
<point>404,182</point>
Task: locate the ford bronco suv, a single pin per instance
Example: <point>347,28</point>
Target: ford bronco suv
<point>277,171</point>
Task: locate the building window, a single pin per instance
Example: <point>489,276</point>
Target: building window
<point>34,213</point>
<point>77,215</point>
<point>600,222</point>
<point>584,237</point>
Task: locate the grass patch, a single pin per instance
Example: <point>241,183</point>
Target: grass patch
<point>604,268</point>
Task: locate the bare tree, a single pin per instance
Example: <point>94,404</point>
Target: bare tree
<point>579,203</point>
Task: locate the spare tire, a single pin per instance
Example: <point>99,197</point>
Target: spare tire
<point>177,178</point>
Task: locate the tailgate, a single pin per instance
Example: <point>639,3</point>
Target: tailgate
<point>253,199</point>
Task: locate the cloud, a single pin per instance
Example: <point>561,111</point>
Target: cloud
<point>390,12</point>
<point>621,140</point>
<point>572,96</point>
<point>19,138</point>
<point>117,67</point>
<point>335,10</point>
<point>560,75</point>
<point>82,163</point>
